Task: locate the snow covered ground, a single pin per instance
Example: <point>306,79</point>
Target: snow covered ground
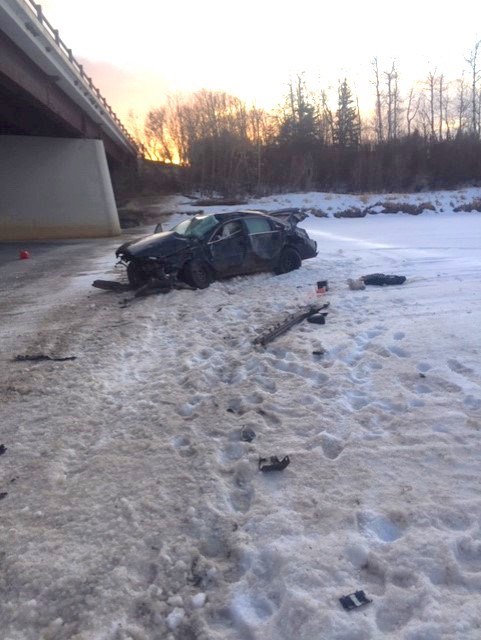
<point>134,510</point>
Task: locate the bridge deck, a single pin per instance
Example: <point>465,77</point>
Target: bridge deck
<point>43,88</point>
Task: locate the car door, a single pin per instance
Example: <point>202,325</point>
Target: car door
<point>228,249</point>
<point>265,241</point>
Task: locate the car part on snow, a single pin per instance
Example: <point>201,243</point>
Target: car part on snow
<point>356,285</point>
<point>3,495</point>
<point>153,285</point>
<point>321,287</point>
<point>41,356</point>
<point>288,323</point>
<point>319,352</point>
<point>317,318</point>
<point>380,279</point>
<point>112,285</point>
<point>3,448</point>
<point>354,600</point>
<point>273,463</point>
<point>247,434</point>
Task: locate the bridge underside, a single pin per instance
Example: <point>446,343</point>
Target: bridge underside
<point>55,160</point>
<point>31,103</point>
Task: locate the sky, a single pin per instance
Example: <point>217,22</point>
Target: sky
<point>138,53</point>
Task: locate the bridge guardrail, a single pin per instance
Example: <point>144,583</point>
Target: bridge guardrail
<point>37,11</point>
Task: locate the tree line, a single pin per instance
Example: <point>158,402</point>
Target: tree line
<point>429,137</point>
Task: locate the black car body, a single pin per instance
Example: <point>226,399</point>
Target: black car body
<point>208,247</point>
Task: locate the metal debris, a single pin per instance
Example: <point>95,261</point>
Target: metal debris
<point>354,600</point>
<point>247,434</point>
<point>288,323</point>
<point>40,356</point>
<point>273,463</point>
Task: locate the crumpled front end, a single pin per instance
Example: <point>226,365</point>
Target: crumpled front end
<point>159,256</point>
<point>306,246</point>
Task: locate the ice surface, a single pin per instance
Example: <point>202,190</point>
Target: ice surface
<point>136,511</point>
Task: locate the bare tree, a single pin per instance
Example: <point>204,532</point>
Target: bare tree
<point>379,102</point>
<point>449,119</point>
<point>392,102</point>
<point>431,88</point>
<point>462,105</point>
<point>327,118</point>
<point>157,137</point>
<point>475,99</point>
<point>412,109</point>
<point>441,106</point>
<point>258,133</point>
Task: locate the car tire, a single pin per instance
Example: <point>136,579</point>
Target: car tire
<point>288,261</point>
<point>196,274</point>
<point>136,275</point>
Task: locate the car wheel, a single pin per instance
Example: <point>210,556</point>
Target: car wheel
<point>136,275</point>
<point>197,274</point>
<point>289,261</point>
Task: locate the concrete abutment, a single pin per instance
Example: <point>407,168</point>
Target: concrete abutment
<point>55,188</point>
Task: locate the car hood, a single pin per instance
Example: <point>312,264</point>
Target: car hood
<point>157,245</point>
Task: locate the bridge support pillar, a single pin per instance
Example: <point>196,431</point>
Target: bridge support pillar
<point>55,188</point>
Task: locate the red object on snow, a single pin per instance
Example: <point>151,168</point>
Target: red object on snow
<point>322,287</point>
<point>24,254</point>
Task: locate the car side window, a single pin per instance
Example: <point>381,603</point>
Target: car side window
<point>257,225</point>
<point>227,230</point>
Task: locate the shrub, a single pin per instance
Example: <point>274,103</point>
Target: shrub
<point>352,212</point>
<point>474,205</point>
<point>400,207</point>
<point>318,213</point>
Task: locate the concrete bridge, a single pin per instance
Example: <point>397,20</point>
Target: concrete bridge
<point>59,139</point>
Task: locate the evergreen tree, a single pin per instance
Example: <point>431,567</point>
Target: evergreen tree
<point>298,118</point>
<point>347,125</point>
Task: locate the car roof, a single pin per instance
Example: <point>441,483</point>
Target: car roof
<point>230,215</point>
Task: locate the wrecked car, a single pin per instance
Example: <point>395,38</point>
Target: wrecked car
<point>208,247</point>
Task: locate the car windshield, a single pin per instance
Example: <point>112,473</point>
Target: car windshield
<point>196,227</point>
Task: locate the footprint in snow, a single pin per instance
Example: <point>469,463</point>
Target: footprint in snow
<point>183,446</point>
<point>468,552</point>
<point>233,451</point>
<point>374,333</point>
<point>423,367</point>
<point>382,528</point>
<point>332,447</point>
<point>403,578</point>
<point>396,611</point>
<point>357,399</point>
<point>398,351</point>
<point>422,389</point>
<point>453,520</point>
<point>243,492</point>
<point>458,367</point>
<point>472,403</point>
